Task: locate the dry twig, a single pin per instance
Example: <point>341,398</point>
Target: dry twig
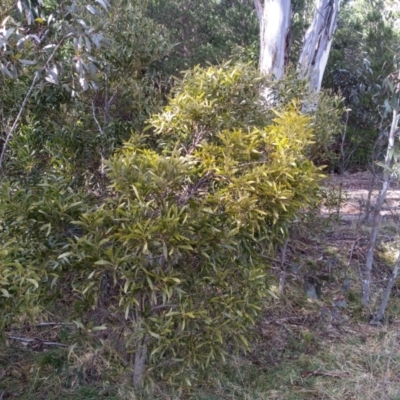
<point>35,341</point>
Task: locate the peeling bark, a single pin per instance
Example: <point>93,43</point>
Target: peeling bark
<point>318,41</point>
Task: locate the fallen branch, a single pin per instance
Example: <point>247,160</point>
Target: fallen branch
<point>36,341</point>
<point>280,320</point>
<point>43,324</point>
<point>333,374</point>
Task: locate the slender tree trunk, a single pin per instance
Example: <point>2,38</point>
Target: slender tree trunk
<point>16,121</point>
<point>318,41</point>
<point>140,363</point>
<point>282,278</point>
<point>376,216</point>
<point>274,36</point>
<point>35,80</point>
<point>379,316</point>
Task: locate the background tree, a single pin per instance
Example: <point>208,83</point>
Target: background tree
<point>53,169</point>
<point>361,57</point>
<point>206,31</point>
<point>275,18</point>
<point>317,42</point>
<point>275,23</point>
<point>157,197</point>
<point>55,39</point>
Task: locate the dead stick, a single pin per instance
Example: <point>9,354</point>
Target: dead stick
<point>30,340</point>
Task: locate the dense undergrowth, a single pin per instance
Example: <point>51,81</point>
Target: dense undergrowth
<point>303,347</point>
<point>141,214</point>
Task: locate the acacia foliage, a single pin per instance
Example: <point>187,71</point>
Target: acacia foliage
<point>196,205</point>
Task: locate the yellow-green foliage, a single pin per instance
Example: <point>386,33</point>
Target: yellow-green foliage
<point>326,121</point>
<point>35,229</point>
<point>183,235</point>
<point>261,176</point>
<point>210,100</point>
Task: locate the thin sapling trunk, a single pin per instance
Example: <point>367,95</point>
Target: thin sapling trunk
<point>282,278</point>
<point>376,216</point>
<point>379,316</point>
<point>140,363</point>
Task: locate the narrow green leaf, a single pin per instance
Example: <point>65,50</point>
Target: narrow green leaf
<point>103,262</point>
<point>34,282</point>
<point>5,293</point>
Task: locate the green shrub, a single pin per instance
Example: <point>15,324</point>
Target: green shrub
<point>326,121</point>
<point>179,246</point>
<point>35,228</point>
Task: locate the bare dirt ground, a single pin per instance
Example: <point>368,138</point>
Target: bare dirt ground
<point>354,191</point>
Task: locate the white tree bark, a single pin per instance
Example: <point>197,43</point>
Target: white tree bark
<point>318,41</point>
<point>274,36</point>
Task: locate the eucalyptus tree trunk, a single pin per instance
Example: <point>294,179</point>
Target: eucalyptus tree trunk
<point>376,216</point>
<point>275,20</point>
<point>318,41</point>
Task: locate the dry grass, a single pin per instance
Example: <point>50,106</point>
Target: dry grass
<point>368,369</point>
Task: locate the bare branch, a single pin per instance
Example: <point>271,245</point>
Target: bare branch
<point>102,167</point>
<point>282,277</point>
<point>6,12</point>
<point>379,316</point>
<point>16,121</point>
<point>96,120</point>
<point>23,105</point>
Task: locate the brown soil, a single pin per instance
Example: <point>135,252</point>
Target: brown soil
<point>355,189</point>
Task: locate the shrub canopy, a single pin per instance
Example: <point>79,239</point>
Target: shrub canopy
<point>196,205</point>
